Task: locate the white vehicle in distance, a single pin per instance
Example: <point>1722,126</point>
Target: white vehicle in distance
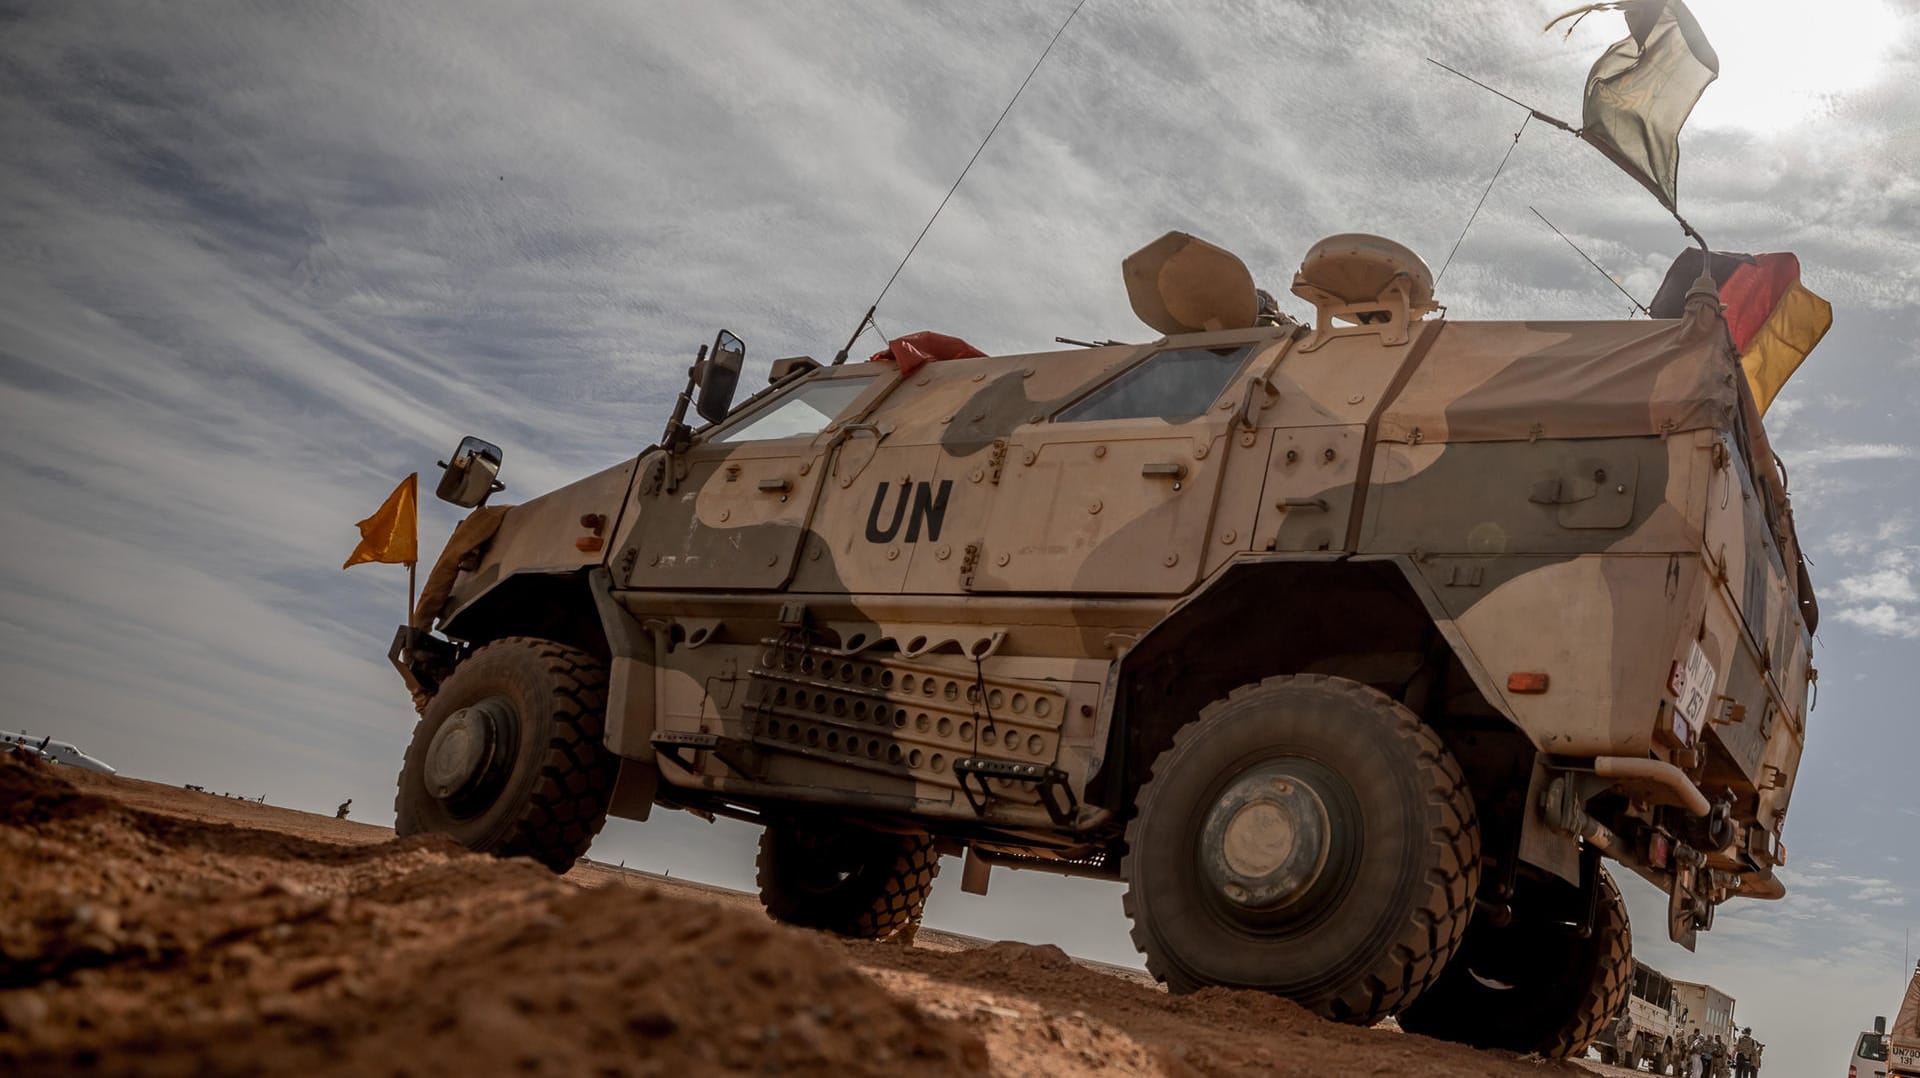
<point>58,752</point>
<point>1870,1052</point>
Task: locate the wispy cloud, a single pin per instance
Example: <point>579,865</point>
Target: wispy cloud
<point>254,269</point>
<point>1844,453</point>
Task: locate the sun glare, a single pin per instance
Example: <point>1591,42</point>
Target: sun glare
<point>1785,61</point>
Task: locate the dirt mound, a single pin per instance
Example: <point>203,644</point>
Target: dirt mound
<point>157,931</point>
<point>137,942</point>
<point>1042,1012</point>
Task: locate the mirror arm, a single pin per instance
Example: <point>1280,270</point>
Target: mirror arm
<point>677,431</point>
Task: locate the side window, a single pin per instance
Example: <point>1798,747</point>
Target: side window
<point>804,412</point>
<point>1175,385</point>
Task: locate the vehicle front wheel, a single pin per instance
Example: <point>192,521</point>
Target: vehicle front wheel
<point>508,756</point>
<point>1309,837</point>
<point>846,880</point>
<point>1533,984</point>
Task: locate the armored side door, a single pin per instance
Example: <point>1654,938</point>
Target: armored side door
<point>731,511</point>
<point>1116,492</point>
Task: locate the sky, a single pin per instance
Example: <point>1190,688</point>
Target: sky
<point>260,261</point>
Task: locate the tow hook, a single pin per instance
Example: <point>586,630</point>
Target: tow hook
<point>1560,804</point>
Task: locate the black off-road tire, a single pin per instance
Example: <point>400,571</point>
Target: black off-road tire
<point>554,778</point>
<point>852,882</point>
<point>1384,914</point>
<point>1533,986</point>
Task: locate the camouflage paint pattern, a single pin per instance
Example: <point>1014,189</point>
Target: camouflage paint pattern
<point>950,568</point>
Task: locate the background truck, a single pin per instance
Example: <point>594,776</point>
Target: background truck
<point>1646,1025</point>
<point>1903,1041</point>
<point>1703,1009</point>
<point>1352,648</point>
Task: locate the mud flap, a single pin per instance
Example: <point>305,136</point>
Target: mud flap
<point>1688,914</point>
<point>1541,845</point>
<point>633,790</point>
<point>630,674</point>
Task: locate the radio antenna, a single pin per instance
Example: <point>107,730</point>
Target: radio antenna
<point>1641,307</point>
<point>867,319</point>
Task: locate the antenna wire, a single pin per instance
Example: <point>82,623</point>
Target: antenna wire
<point>1483,195</point>
<point>1641,307</point>
<point>977,151</point>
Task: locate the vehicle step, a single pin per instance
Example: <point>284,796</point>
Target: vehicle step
<point>1048,781</point>
<point>737,755</point>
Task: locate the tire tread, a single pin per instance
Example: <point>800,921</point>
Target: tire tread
<point>567,805</point>
<point>1422,946</point>
<point>879,913</point>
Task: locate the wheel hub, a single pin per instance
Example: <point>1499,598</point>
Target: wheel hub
<point>467,748</point>
<point>1265,841</point>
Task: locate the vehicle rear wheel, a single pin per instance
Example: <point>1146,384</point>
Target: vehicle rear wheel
<point>1533,985</point>
<point>508,756</point>
<point>846,880</point>
<point>1309,837</point>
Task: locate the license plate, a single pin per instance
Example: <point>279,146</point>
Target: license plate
<point>1907,1059</point>
<point>1695,690</point>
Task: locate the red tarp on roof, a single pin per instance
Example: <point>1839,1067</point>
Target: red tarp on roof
<point>916,350</point>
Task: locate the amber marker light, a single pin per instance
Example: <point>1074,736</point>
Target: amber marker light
<point>1526,683</point>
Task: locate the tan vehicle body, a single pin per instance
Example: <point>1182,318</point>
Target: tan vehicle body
<point>1523,530</point>
<point>1351,649</point>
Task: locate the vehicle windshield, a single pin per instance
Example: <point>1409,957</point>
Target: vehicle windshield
<point>1872,1047</point>
<point>802,413</point>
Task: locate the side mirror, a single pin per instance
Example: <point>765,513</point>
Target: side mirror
<point>720,376</point>
<point>471,476</point>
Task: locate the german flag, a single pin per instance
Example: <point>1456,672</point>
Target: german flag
<point>1773,318</point>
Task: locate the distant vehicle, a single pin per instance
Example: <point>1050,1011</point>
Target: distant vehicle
<point>1644,1028</point>
<point>1903,1045</point>
<point>1870,1052</point>
<point>1703,1008</point>
<point>59,752</point>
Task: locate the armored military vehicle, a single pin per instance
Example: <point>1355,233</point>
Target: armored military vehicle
<point>1352,648</point>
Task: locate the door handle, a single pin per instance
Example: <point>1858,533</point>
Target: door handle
<point>1164,470</point>
<point>1290,504</point>
<point>777,485</point>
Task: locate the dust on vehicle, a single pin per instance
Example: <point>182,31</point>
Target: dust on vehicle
<point>1353,649</point>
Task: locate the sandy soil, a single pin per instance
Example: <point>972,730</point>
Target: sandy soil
<point>153,930</point>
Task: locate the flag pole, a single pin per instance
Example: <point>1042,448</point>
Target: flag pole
<point>410,600</point>
<point>1537,114</point>
<point>1563,125</point>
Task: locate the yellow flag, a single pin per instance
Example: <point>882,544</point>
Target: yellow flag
<point>1797,323</point>
<point>391,534</point>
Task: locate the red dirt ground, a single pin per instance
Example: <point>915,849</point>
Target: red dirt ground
<point>151,930</point>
